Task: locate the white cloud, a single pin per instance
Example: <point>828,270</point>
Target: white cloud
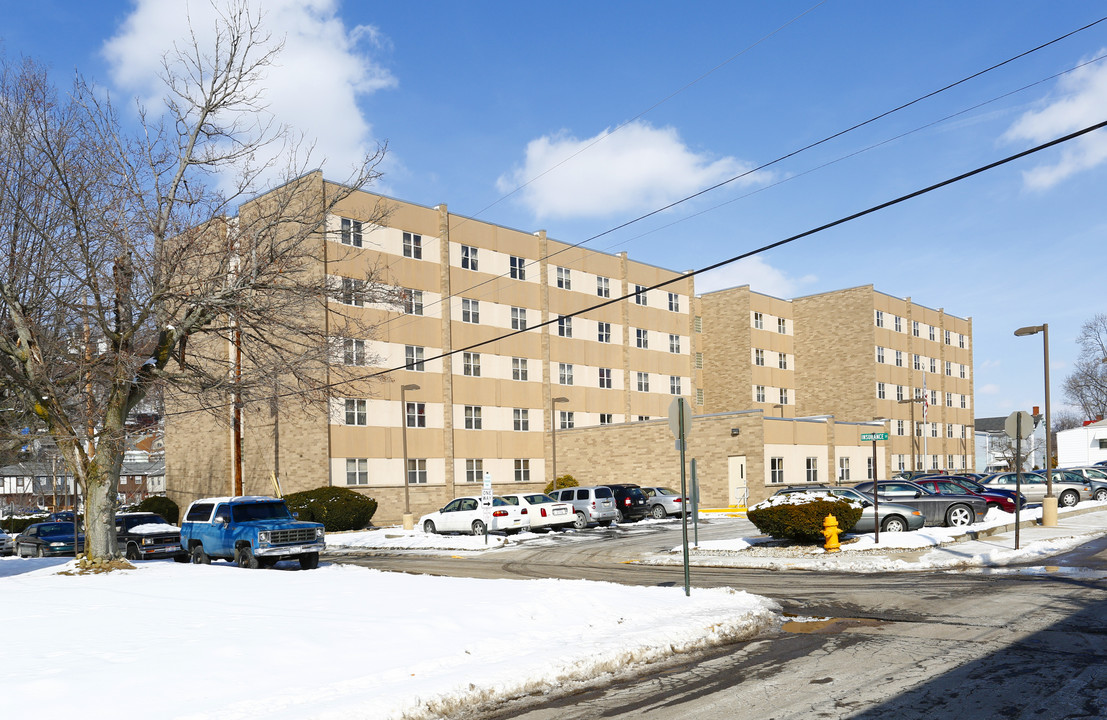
<point>758,274</point>
<point>313,87</point>
<point>1079,102</point>
<point>989,389</point>
<point>636,167</point>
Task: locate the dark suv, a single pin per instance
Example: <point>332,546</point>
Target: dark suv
<point>144,536</point>
<point>630,502</point>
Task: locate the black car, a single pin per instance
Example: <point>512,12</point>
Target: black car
<point>631,503</point>
<point>145,536</point>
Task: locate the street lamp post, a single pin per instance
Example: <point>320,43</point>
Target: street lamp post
<point>553,437</point>
<point>912,402</point>
<point>409,519</point>
<point>1049,503</point>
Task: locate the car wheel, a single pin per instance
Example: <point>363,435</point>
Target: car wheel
<point>478,527</point>
<point>894,524</point>
<point>1101,494</point>
<point>658,512</point>
<point>619,517</point>
<point>244,558</point>
<point>132,551</point>
<point>1069,498</point>
<point>181,557</point>
<point>38,551</point>
<point>959,516</point>
<point>580,522</point>
<point>309,561</point>
<point>428,527</point>
<point>199,557</point>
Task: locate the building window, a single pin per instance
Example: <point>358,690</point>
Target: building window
<point>417,471</point>
<point>898,323</point>
<point>918,362</point>
<point>759,393</point>
<point>355,412</point>
<point>518,318</point>
<point>933,462</point>
<point>880,390</point>
<point>416,414</point>
<point>413,246</point>
<point>933,365</point>
<point>521,418</point>
<point>843,469</point>
<point>565,326</point>
<point>782,326</point>
<point>949,368</point>
<point>776,470</point>
<point>915,328</point>
<point>960,340</point>
<point>899,427</point>
<point>518,268</point>
<point>640,294</point>
<point>899,393</point>
<point>674,302</point>
<point>473,417</point>
<point>933,397</point>
<point>949,430</point>
<point>353,352</point>
<point>918,429</point>
<point>699,396</point>
<point>643,418</point>
<point>470,364</point>
<point>642,338</point>
<point>758,356</point>
<point>782,361</point>
<point>901,462</point>
<point>351,293</point>
<point>606,418</point>
<point>879,354</point>
<point>948,342</point>
<point>468,257</point>
<point>413,302</point>
<point>603,332</point>
<point>563,279</point>
<point>962,372</point>
<point>643,382</point>
<point>413,357</point>
<point>949,399</point>
<point>565,373</point>
<point>869,467</point>
<point>518,368</point>
<point>603,287</point>
<point>566,419</point>
<point>474,470</point>
<point>899,358</point>
<point>699,360</point>
<point>783,396</point>
<point>470,311</point>
<point>605,378</point>
<point>812,469</point>
<point>932,334</point>
<point>357,471</point>
<point>697,324</point>
<point>674,385</point>
<point>758,321</point>
<point>522,470</point>
<point>351,232</point>
<point>674,343</point>
<point>880,318</point>
<point>934,429</point>
<point>964,402</point>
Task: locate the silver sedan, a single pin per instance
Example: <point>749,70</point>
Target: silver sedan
<point>893,516</point>
<point>664,502</point>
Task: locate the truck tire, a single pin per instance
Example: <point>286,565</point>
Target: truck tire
<point>244,558</point>
<point>309,561</point>
<point>199,557</point>
<point>132,552</point>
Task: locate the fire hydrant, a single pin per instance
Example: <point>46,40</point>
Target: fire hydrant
<point>830,532</point>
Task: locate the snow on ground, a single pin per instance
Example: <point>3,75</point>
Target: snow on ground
<point>192,642</point>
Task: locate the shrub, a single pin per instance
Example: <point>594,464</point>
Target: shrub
<point>800,516</point>
<point>160,505</point>
<point>15,525</point>
<point>563,481</point>
<point>337,508</point>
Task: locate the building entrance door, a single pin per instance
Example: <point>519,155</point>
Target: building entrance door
<point>736,481</point>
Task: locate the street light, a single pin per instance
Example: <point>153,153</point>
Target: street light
<point>409,519</point>
<point>914,445</point>
<point>1049,503</point>
<point>553,436</point>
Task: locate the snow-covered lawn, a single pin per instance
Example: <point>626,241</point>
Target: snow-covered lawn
<point>172,640</point>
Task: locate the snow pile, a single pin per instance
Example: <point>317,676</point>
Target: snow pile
<point>195,641</point>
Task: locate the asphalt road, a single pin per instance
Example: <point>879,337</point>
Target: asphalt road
<point>913,645</point>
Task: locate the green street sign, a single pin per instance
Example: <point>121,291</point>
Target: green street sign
<point>873,437</point>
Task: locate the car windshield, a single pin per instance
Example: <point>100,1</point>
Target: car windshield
<point>539,499</point>
<point>666,491</point>
<point>56,528</point>
<point>511,499</point>
<point>602,492</point>
<point>260,511</point>
<point>500,502</point>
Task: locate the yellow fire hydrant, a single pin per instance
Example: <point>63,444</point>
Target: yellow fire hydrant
<point>830,532</point>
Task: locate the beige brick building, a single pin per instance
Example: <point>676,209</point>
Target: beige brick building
<point>753,366</point>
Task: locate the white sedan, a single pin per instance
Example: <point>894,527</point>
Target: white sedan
<point>544,512</point>
<point>465,515</point>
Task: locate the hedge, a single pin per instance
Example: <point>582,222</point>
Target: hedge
<point>563,481</point>
<point>800,516</point>
<point>160,505</point>
<point>337,508</point>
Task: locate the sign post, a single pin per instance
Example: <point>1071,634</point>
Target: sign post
<point>876,480</point>
<point>486,503</point>
<point>680,422</point>
<point>1014,427</point>
<point>695,501</point>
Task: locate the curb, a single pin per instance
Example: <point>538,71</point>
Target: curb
<point>1010,527</point>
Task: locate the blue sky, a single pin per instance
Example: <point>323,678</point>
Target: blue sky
<point>648,102</point>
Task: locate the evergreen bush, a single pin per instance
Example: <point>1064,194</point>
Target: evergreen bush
<point>337,508</point>
<point>563,481</point>
<point>160,505</point>
<point>800,516</point>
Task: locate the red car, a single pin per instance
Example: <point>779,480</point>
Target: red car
<point>958,485</point>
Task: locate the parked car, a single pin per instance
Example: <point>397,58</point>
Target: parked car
<point>466,515</point>
<point>48,538</point>
<point>949,510</point>
<point>62,516</point>
<point>251,531</point>
<point>958,484</point>
<point>630,502</point>
<point>593,505</point>
<point>6,545</point>
<point>1097,479</point>
<point>544,512</point>
<point>894,517</point>
<point>1068,489</point>
<point>147,536</point>
<point>664,502</point>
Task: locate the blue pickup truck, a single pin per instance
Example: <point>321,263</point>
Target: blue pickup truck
<point>252,531</point>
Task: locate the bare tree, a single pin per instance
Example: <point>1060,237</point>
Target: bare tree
<point>124,268</point>
<point>1086,386</point>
